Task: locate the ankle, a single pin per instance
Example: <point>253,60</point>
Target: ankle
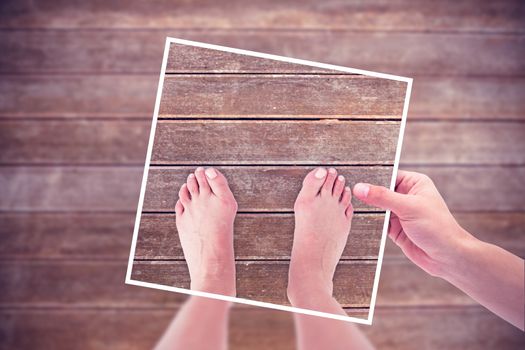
<point>308,297</point>
<point>223,286</point>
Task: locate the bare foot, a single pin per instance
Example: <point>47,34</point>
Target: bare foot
<point>323,214</point>
<point>205,213</point>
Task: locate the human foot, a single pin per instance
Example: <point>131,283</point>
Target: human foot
<point>323,214</point>
<point>205,213</point>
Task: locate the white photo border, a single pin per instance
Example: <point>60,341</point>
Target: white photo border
<point>169,41</point>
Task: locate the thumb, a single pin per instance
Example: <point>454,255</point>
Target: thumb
<point>382,197</point>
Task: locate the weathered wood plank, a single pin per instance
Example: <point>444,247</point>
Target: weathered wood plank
<point>344,95</point>
<point>108,235</point>
<point>133,96</point>
<point>50,188</point>
<point>361,15</point>
<point>447,328</point>
<point>46,188</point>
<point>276,94</point>
<point>125,142</point>
<point>464,189</point>
<point>253,328</point>
<point>267,280</point>
<point>141,51</point>
<point>275,142</point>
<point>455,143</point>
<point>78,96</point>
<point>268,188</point>
<point>101,283</point>
<point>74,142</point>
<point>267,236</point>
<point>185,59</point>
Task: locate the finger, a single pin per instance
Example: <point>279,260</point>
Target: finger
<point>384,198</point>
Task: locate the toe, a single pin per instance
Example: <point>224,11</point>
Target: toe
<point>349,211</point>
<point>193,186</point>
<point>347,196</point>
<point>204,187</point>
<point>179,208</point>
<point>218,183</point>
<point>339,186</point>
<point>328,186</point>
<point>184,195</point>
<point>313,182</point>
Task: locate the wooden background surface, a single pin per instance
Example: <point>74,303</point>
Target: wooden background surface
<point>77,90</point>
<point>265,124</point>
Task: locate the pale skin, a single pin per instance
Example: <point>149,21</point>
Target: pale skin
<point>421,225</point>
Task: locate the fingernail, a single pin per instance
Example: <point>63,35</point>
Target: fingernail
<point>341,178</point>
<point>361,190</point>
<point>331,170</point>
<point>211,173</point>
<point>320,173</point>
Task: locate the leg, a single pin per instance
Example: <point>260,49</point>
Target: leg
<point>205,213</point>
<point>323,214</point>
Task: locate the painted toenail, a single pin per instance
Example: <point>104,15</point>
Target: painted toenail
<point>341,178</point>
<point>320,173</point>
<point>361,190</point>
<point>332,171</point>
<point>211,173</point>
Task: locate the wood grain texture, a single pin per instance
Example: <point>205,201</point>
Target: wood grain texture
<point>467,143</point>
<point>47,188</point>
<point>92,142</point>
<point>267,280</point>
<point>141,51</point>
<point>100,236</point>
<point>275,142</point>
<point>276,94</point>
<point>375,15</point>
<point>268,188</point>
<point>101,284</point>
<point>133,96</point>
<point>252,328</point>
<point>267,236</point>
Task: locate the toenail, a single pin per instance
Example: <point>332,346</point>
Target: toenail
<point>332,171</point>
<point>320,173</point>
<point>199,169</point>
<point>341,178</point>
<point>211,173</point>
<point>347,189</point>
<point>191,176</point>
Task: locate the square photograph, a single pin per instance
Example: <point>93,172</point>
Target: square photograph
<point>247,187</point>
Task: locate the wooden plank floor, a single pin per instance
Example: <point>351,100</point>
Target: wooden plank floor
<point>352,122</point>
<point>77,91</point>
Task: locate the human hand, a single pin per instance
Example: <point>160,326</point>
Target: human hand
<point>420,222</point>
